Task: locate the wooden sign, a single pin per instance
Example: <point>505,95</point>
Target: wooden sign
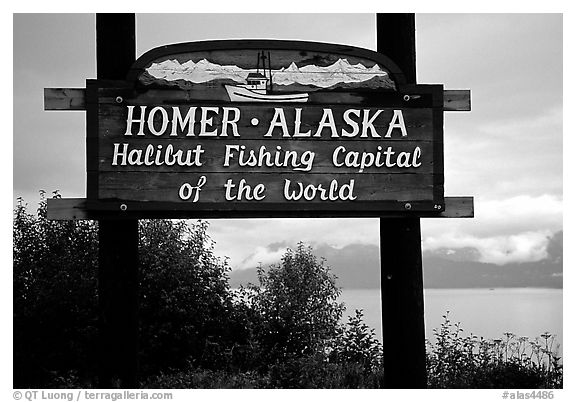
<point>266,125</point>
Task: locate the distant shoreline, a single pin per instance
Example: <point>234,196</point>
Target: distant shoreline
<point>449,288</point>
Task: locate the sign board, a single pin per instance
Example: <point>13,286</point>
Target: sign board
<point>263,126</point>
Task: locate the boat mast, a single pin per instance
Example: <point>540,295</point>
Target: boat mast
<point>262,56</point>
<point>270,70</point>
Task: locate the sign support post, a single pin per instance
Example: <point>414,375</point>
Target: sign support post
<point>403,332</point>
<point>118,239</point>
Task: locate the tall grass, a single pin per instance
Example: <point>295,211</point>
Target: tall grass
<point>457,361</point>
<point>354,361</point>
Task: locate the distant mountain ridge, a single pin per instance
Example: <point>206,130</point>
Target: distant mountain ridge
<point>357,266</point>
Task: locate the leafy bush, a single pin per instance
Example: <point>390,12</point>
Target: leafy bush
<point>294,309</point>
<point>357,344</point>
<point>313,371</point>
<point>295,336</point>
<point>186,310</point>
<point>185,305</point>
<point>55,298</point>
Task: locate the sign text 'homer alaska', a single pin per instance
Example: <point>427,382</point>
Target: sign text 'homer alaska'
<point>330,144</point>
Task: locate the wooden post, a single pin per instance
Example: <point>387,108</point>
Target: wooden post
<point>118,239</point>
<point>400,245</point>
<point>396,38</point>
<point>118,301</point>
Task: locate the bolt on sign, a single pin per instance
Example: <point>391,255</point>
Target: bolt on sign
<point>266,125</point>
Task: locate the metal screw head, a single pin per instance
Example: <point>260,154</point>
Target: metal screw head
<point>123,207</point>
<point>119,99</point>
<point>408,206</point>
<point>406,98</point>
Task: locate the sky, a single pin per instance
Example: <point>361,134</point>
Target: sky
<point>506,152</point>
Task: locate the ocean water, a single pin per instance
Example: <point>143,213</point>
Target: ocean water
<point>482,312</point>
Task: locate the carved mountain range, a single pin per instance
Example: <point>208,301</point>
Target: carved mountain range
<point>339,73</point>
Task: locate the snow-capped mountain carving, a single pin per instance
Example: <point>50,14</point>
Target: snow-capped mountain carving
<point>202,71</point>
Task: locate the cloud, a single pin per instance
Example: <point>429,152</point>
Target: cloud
<point>521,213</point>
<point>523,247</point>
<point>497,156</point>
<point>516,229</point>
<point>508,230</point>
<point>546,119</point>
<point>262,256</point>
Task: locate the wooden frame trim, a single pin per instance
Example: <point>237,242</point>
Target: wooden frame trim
<point>83,209</point>
<point>454,100</point>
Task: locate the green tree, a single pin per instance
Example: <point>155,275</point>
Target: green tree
<point>296,306</point>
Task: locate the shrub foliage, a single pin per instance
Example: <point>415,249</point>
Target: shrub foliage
<point>185,305</point>
<point>197,332</point>
<point>185,308</point>
<point>55,297</point>
<point>295,306</point>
